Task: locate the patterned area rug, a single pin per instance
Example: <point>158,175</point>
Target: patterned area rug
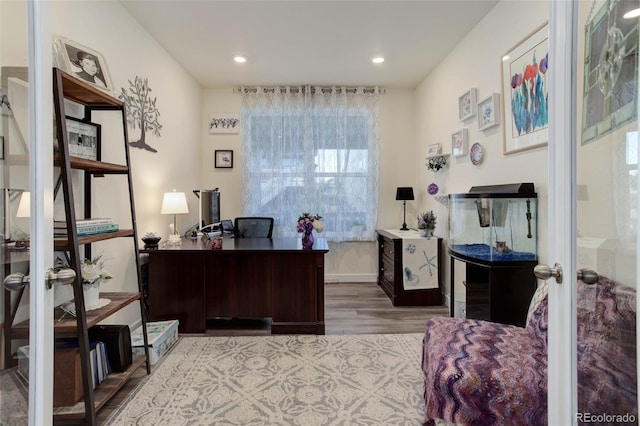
<point>283,380</point>
<point>13,399</point>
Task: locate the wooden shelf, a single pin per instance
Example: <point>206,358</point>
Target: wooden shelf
<point>97,167</point>
<point>83,93</point>
<point>63,244</point>
<point>64,323</point>
<point>102,393</point>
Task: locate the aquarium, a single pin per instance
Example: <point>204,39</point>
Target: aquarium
<point>497,223</point>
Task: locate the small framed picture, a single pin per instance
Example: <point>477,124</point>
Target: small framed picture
<point>489,112</point>
<point>224,159</point>
<point>467,104</point>
<point>224,122</point>
<point>82,62</point>
<point>83,138</point>
<point>459,143</point>
<point>433,149</point>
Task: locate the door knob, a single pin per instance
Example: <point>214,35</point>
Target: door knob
<point>544,272</point>
<point>588,276</point>
<point>15,281</point>
<point>62,276</point>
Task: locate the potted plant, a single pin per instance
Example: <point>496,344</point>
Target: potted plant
<point>427,223</point>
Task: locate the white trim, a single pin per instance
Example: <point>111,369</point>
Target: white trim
<point>350,278</point>
<point>41,223</point>
<point>562,385</point>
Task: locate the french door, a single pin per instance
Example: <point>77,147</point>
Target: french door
<point>593,199</point>
<point>26,170</point>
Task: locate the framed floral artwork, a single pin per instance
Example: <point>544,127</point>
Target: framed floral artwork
<point>489,112</point>
<point>223,159</point>
<point>459,143</point>
<point>525,92</point>
<point>467,104</point>
<point>433,149</point>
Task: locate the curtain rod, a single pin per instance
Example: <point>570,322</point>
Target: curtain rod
<point>296,89</point>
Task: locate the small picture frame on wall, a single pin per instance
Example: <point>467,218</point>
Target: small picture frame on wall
<point>82,62</point>
<point>489,112</point>
<point>224,122</point>
<point>223,159</point>
<point>467,104</point>
<point>83,138</point>
<point>459,143</point>
<point>433,149</point>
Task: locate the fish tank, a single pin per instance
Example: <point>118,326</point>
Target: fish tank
<point>497,223</point>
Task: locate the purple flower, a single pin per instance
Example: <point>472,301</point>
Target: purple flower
<point>305,225</point>
<point>432,189</point>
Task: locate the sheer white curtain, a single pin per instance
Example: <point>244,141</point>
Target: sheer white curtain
<point>312,149</point>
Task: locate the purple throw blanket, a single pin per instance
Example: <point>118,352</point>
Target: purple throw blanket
<point>483,373</point>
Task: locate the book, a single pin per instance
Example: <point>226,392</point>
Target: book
<point>62,224</point>
<point>88,230</point>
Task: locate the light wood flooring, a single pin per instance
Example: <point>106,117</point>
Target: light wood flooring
<point>350,308</point>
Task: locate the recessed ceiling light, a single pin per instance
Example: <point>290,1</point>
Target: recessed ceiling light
<point>240,59</point>
<point>378,60</point>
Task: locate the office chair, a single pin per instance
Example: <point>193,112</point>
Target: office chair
<point>253,227</point>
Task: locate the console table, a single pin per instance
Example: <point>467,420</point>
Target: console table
<point>248,278</point>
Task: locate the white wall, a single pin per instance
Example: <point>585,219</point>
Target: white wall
<point>476,62</point>
<point>349,261</point>
<point>106,27</point>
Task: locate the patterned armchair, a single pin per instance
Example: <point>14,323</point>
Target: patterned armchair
<point>483,373</point>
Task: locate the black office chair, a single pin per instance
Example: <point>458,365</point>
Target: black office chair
<point>253,227</point>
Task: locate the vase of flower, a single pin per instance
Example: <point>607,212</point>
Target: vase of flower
<point>427,223</point>
<point>93,274</point>
<point>427,232</point>
<point>305,225</point>
<point>91,292</point>
<point>307,240</point>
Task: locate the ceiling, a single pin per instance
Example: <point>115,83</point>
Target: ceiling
<point>308,42</point>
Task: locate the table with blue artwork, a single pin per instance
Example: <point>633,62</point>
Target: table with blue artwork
<point>409,267</point>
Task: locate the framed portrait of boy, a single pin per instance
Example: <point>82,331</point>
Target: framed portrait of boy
<point>82,62</point>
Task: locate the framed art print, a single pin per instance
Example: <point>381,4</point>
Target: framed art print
<point>489,112</point>
<point>82,62</point>
<point>433,149</point>
<point>525,92</point>
<point>467,104</point>
<point>610,71</point>
<point>83,138</point>
<point>223,159</point>
<point>459,143</point>
<point>224,122</point>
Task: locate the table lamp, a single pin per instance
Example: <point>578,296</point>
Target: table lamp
<point>174,203</point>
<point>24,210</point>
<point>404,193</point>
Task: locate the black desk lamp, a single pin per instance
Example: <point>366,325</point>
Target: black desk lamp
<point>404,193</point>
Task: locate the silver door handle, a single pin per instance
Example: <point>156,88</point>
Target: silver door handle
<point>17,280</point>
<point>544,272</point>
<point>587,275</point>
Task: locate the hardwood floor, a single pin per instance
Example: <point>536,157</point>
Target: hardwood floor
<point>350,308</point>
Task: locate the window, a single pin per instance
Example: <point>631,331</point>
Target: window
<point>312,151</point>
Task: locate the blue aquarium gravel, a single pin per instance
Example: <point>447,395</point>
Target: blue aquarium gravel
<point>485,252</point>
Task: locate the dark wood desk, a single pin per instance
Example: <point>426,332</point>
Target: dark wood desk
<point>247,278</point>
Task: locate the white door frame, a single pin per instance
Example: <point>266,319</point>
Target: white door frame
<point>41,223</point>
<point>561,373</point>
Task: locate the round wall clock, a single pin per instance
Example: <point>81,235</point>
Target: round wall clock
<point>476,153</point>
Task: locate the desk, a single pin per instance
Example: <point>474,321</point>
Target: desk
<point>247,278</point>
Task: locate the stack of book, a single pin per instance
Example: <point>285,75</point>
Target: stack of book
<point>85,227</point>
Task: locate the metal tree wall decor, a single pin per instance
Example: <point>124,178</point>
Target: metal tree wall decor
<point>141,111</point>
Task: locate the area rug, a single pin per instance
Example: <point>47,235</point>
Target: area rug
<point>13,399</point>
<point>283,380</point>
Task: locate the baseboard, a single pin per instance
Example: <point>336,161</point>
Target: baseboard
<point>350,278</point>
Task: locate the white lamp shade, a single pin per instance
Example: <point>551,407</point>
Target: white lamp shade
<point>174,203</point>
<point>24,205</point>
